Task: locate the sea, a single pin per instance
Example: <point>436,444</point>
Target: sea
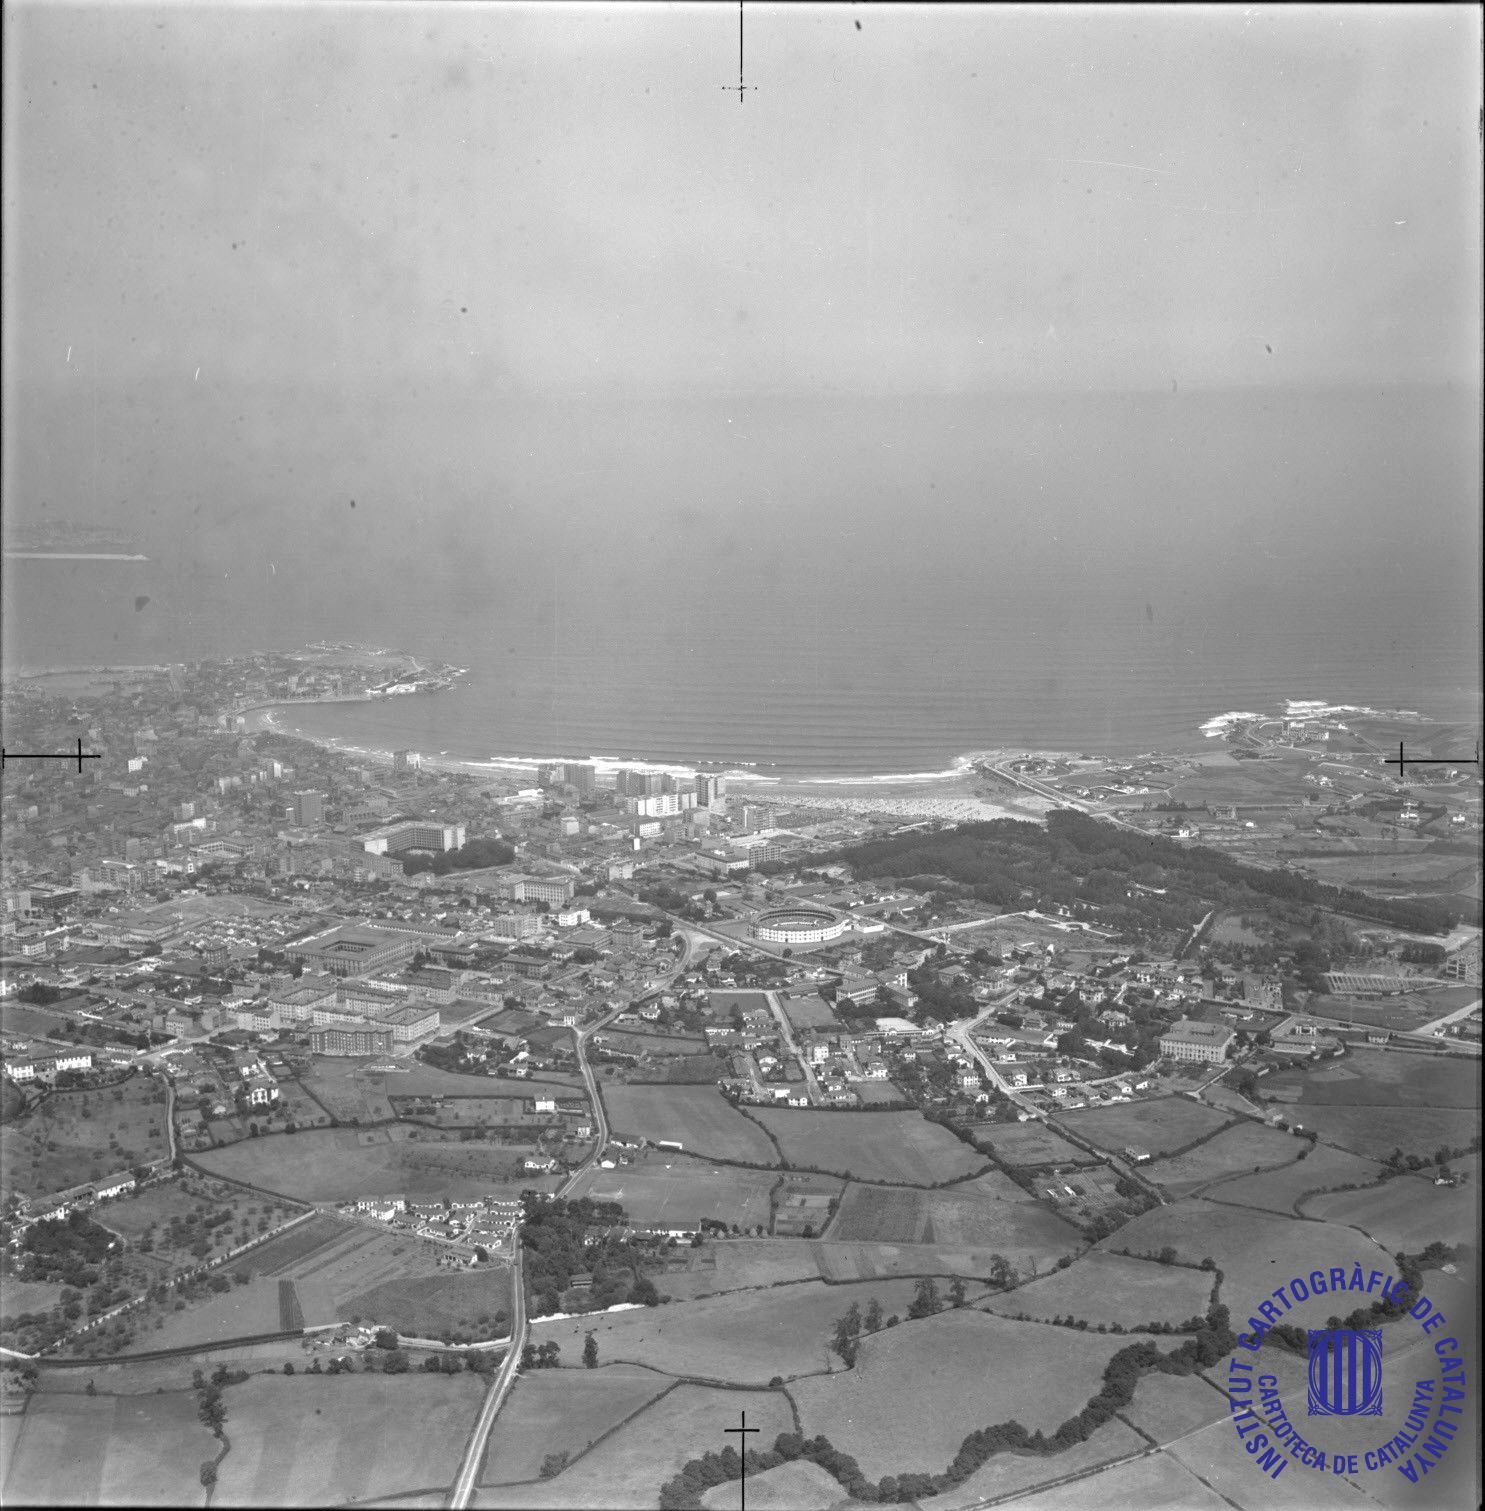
<point>856,587</point>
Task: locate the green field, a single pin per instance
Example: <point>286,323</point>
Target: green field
<point>1108,1288</point>
<point>563,1411</point>
<point>797,1486</point>
<point>917,1390</point>
<point>809,1012</point>
<point>79,1450</point>
<point>1279,1190</point>
<point>1025,1232</point>
<point>278,1254</point>
<point>330,1163</point>
<point>894,1146</point>
<point>1234,1151</point>
<point>700,1118</point>
<point>242,1312</point>
<point>323,1440</point>
<point>1168,1406</point>
<point>1160,1125</point>
<point>1374,1132</point>
<point>1151,1483</point>
<point>1254,1250</point>
<point>736,1265</point>
<point>675,1191</point>
<point>626,1470</point>
<point>1410,1210</point>
<point>747,1337</point>
<point>74,1136</point>
<point>1033,1143</point>
<point>458,1304</point>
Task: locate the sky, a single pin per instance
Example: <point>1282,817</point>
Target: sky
<point>910,199</point>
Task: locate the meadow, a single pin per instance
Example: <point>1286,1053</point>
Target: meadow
<point>1108,1288</point>
<point>331,1163</point>
<point>1410,1210</point>
<point>1385,1078</point>
<point>1150,1482</point>
<point>452,1305</point>
<point>736,1265</point>
<point>796,1486</point>
<point>673,1191</point>
<point>1280,1190</point>
<point>1169,1406</point>
<point>1033,1143</point>
<point>1160,1125</point>
<point>892,1146</point>
<point>625,1471</point>
<point>242,1312</point>
<point>317,1440</point>
<point>1374,1132</point>
<point>80,1450</point>
<point>918,1389</point>
<point>551,1411</point>
<point>1025,1232</point>
<point>700,1118</point>
<point>1234,1151</point>
<point>745,1338</point>
<point>74,1136</point>
<point>1254,1250</point>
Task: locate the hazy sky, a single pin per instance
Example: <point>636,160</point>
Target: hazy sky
<point>553,198</point>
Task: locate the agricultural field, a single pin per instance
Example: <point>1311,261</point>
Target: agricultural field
<point>1169,1406</point>
<point>1108,1288</point>
<point>1159,1125</point>
<point>453,1305</point>
<point>336,1267</point>
<point>79,1450</point>
<point>700,1118</point>
<point>1382,1078</point>
<point>682,1070</point>
<point>241,1312</point>
<point>332,1163</point>
<point>411,1078</point>
<point>1254,1250</point>
<point>625,1471</point>
<point>720,1004</point>
<point>638,1042</point>
<point>887,1261</point>
<point>313,1441</point>
<point>871,1093</point>
<point>1374,1132</point>
<point>348,1092</point>
<point>1150,1483</point>
<point>895,1146</point>
<point>561,1411</point>
<point>917,1390</point>
<point>76,1136</point>
<point>797,1486</point>
<point>737,1264</point>
<point>1323,1168</point>
<point>1009,1474</point>
<point>674,1191</point>
<point>1025,1232</point>
<point>1409,1210</point>
<point>1020,1144</point>
<point>1234,1151</point>
<point>746,1338</point>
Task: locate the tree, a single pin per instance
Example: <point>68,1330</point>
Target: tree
<point>926,1300</point>
<point>590,1352</point>
<point>873,1322</point>
<point>386,1338</point>
<point>956,1294</point>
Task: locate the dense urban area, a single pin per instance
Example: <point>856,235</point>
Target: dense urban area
<point>603,1104</point>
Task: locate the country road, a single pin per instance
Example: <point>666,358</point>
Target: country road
<point>463,1487</point>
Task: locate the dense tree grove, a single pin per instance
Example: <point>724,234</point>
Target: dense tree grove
<point>561,1239</point>
<point>472,856</point>
<point>1075,858</point>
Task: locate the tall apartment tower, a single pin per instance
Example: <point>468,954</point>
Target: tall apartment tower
<point>309,808</point>
<point>582,776</point>
<point>711,790</point>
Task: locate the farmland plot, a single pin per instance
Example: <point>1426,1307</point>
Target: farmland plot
<point>1233,1151</point>
<point>699,1118</point>
<point>893,1146</point>
<point>1160,1125</point>
<point>1108,1288</point>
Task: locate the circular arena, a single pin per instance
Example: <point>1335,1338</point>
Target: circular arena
<point>799,926</point>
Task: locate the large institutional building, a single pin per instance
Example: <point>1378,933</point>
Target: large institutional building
<point>413,834</point>
<point>1193,1040</point>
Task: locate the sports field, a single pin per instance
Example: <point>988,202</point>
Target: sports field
<point>1108,1288</point>
<point>1160,1125</point>
<point>675,1191</point>
<point>1279,1190</point>
<point>810,1011</point>
<point>1254,1250</point>
<point>79,1450</point>
<point>1024,1232</point>
<point>699,1118</point>
<point>454,1305</point>
<point>1028,1144</point>
<point>325,1164</point>
<point>625,1471</point>
<point>1233,1151</point>
<point>317,1440</point>
<point>746,1338</point>
<point>563,1411</point>
<point>918,1389</point>
<point>896,1146</point>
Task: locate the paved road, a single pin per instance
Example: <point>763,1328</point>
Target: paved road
<point>463,1487</point>
<point>787,1036</point>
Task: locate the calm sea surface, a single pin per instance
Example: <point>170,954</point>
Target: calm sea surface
<point>863,588</point>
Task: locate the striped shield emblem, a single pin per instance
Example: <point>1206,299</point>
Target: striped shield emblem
<point>1345,1373</point>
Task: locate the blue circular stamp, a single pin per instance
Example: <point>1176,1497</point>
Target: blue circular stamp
<point>1346,1415</point>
